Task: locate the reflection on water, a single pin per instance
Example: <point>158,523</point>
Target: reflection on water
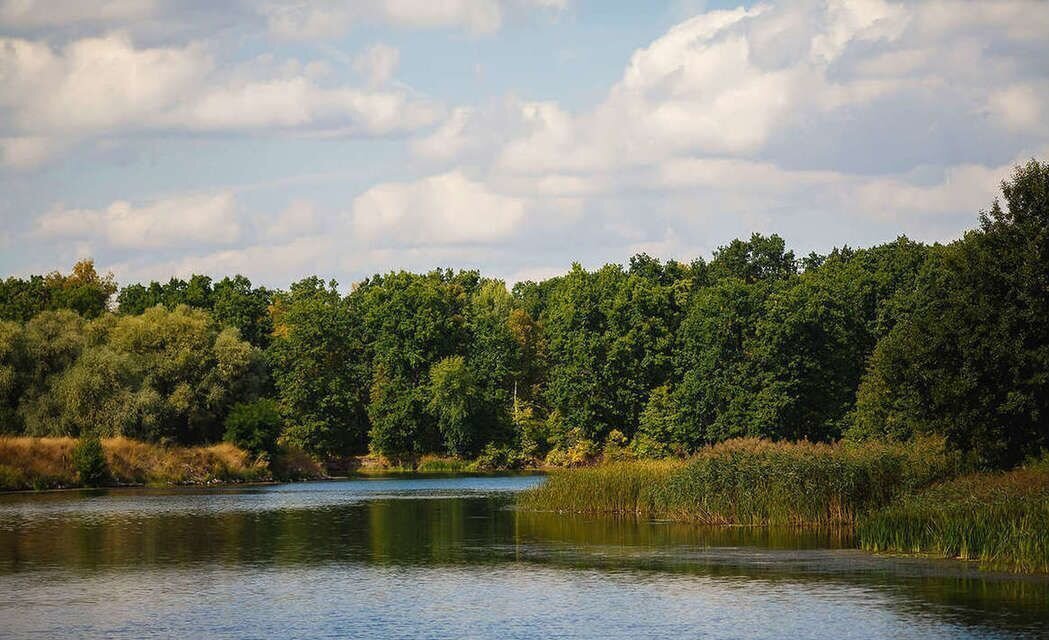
<point>451,557</point>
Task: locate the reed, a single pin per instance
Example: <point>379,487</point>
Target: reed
<point>1000,520</point>
<point>752,482</point>
<point>616,487</point>
<point>46,463</point>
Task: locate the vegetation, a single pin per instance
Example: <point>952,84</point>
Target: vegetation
<point>998,519</point>
<point>753,482</point>
<point>89,460</point>
<point>254,426</point>
<point>47,463</point>
<point>894,343</point>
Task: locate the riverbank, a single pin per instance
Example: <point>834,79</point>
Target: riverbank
<point>28,463</point>
<point>912,498</point>
<point>47,463</point>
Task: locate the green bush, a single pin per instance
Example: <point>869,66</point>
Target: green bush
<point>89,460</point>
<point>255,426</point>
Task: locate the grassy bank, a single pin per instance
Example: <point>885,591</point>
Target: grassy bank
<point>900,498</point>
<point>1000,520</point>
<point>752,482</point>
<point>46,463</point>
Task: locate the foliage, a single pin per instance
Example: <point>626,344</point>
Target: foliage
<point>83,291</point>
<point>316,363</point>
<point>161,376</point>
<point>89,461</point>
<point>255,426</point>
<point>893,342</point>
<point>454,400</point>
<point>969,357</point>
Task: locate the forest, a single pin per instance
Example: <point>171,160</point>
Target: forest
<point>650,359</point>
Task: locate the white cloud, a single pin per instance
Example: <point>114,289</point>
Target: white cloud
<point>1022,107</point>
<point>322,19</point>
<point>98,87</point>
<point>171,223</point>
<point>443,209</point>
<point>377,63</point>
<point>298,219</point>
<point>51,13</point>
<point>26,152</point>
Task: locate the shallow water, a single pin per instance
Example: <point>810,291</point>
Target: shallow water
<point>451,558</point>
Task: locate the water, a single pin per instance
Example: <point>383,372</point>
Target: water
<point>452,558</point>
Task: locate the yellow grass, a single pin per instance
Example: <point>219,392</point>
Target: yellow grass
<point>42,463</point>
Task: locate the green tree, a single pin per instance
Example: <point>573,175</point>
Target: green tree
<point>319,370</point>
<point>255,426</point>
<point>236,304</point>
<point>89,460</point>
<point>658,430</point>
<point>969,354</point>
<point>454,401</point>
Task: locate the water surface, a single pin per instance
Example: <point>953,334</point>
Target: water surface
<point>451,558</point>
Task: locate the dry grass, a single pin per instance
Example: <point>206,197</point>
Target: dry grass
<point>43,463</point>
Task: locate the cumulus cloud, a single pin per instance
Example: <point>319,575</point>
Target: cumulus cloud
<point>105,86</point>
<point>183,221</point>
<point>331,18</point>
<point>442,209</point>
<point>827,122</point>
<point>377,63</point>
<point>288,19</point>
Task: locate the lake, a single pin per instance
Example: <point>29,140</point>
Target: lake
<point>450,557</point>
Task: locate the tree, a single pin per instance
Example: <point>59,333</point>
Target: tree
<point>969,355</point>
<point>610,336</point>
<point>237,304</point>
<point>255,426</point>
<point>455,400</point>
<point>89,460</point>
<point>319,369</point>
<point>14,373</point>
<point>658,432</point>
<point>761,258</point>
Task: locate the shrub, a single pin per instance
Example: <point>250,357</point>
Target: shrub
<point>89,460</point>
<point>255,426</point>
<point>496,457</point>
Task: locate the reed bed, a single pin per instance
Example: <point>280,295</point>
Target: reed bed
<point>46,463</point>
<point>616,487</point>
<point>752,482</point>
<point>1000,520</point>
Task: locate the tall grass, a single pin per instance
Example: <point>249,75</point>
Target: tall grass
<point>752,482</point>
<point>1000,520</point>
<point>617,487</point>
<point>44,463</point>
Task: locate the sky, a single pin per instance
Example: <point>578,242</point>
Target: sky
<point>342,138</point>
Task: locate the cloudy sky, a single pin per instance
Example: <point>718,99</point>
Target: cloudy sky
<point>281,138</point>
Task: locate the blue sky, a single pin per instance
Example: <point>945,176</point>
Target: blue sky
<point>282,138</point>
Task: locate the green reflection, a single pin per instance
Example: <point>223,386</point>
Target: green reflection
<point>451,531</point>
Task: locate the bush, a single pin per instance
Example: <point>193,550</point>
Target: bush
<point>255,426</point>
<point>496,457</point>
<point>89,460</point>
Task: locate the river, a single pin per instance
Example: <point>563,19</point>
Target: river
<point>450,557</point>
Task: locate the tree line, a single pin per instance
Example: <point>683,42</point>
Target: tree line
<point>651,358</point>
